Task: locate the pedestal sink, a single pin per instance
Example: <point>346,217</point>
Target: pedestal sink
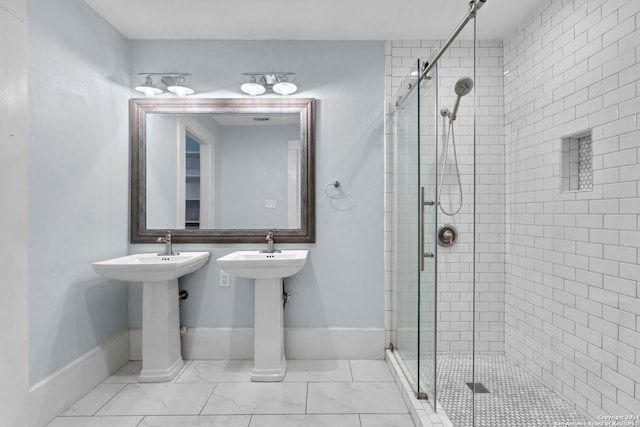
<point>161,357</point>
<point>268,270</point>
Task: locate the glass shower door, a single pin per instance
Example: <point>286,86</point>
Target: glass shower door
<point>416,266</point>
<point>428,272</point>
<point>407,134</point>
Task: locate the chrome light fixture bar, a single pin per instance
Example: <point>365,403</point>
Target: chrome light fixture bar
<point>173,82</point>
<point>277,81</point>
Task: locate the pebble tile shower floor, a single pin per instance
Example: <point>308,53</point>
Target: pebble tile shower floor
<point>515,398</point>
<point>315,393</point>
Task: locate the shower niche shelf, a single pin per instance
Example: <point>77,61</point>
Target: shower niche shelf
<point>576,163</point>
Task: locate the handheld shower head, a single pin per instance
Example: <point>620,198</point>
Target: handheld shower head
<point>462,88</point>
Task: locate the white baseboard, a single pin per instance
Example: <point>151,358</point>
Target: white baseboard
<point>300,343</point>
<point>335,343</point>
<point>57,392</point>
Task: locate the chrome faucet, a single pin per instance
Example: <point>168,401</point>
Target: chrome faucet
<point>168,249</point>
<point>269,239</point>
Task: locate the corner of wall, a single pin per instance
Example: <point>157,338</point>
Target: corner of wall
<point>58,391</point>
<point>14,369</point>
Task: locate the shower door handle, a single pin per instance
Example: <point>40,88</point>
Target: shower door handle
<point>423,254</point>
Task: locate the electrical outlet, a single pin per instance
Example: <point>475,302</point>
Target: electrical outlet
<point>270,203</point>
<point>224,279</point>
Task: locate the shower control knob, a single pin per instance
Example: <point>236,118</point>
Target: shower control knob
<point>447,235</point>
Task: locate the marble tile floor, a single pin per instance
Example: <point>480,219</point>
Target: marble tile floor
<point>315,393</point>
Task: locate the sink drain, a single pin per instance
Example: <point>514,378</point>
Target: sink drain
<point>478,387</point>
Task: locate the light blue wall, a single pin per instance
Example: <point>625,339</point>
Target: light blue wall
<point>78,181</point>
<point>252,166</point>
<point>79,83</point>
<point>343,282</point>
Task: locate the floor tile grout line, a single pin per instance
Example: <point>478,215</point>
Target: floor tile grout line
<point>306,400</point>
<point>95,414</point>
<point>213,389</point>
<point>184,368</point>
<point>108,400</point>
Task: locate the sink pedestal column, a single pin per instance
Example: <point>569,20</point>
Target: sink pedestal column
<point>161,356</point>
<point>269,360</point>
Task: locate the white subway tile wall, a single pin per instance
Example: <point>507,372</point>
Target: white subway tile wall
<point>557,273</point>
<point>572,307</point>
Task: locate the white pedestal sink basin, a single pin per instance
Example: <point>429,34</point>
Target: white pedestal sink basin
<point>151,267</point>
<point>268,270</point>
<point>161,356</point>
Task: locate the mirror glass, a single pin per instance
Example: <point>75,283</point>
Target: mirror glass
<point>222,170</point>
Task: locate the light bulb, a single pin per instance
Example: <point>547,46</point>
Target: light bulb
<point>252,89</point>
<point>180,90</point>
<point>284,88</point>
<point>148,88</point>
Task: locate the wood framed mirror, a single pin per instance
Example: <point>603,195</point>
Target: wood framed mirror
<point>222,170</point>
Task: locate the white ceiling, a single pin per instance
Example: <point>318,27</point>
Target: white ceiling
<point>310,19</point>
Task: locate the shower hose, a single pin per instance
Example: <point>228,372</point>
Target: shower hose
<point>450,137</point>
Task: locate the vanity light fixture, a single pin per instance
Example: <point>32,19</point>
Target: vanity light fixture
<point>173,82</point>
<point>277,81</point>
<point>148,88</point>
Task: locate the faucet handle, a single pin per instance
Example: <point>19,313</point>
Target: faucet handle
<point>269,235</point>
<point>165,239</point>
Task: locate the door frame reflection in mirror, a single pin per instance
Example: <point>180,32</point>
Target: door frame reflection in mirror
<point>187,127</point>
<point>140,108</point>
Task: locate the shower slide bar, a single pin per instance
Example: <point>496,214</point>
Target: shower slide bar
<point>474,6</point>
